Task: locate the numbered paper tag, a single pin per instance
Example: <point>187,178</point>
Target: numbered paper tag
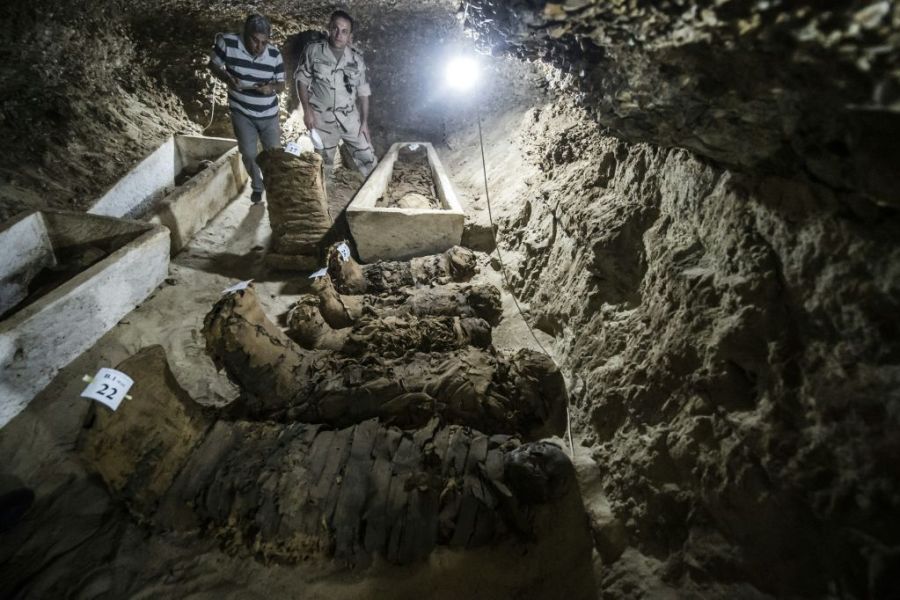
<point>109,387</point>
<point>293,148</point>
<point>237,287</point>
<point>344,251</point>
<point>320,273</point>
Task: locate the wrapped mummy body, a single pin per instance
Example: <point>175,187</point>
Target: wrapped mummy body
<point>455,265</point>
<point>291,491</point>
<point>389,337</point>
<point>523,393</point>
<point>452,300</point>
<point>297,207</point>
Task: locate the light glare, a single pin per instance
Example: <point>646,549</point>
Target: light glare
<point>461,73</point>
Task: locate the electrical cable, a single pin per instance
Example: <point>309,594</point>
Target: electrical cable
<point>212,94</point>
<point>212,101</point>
<point>509,286</point>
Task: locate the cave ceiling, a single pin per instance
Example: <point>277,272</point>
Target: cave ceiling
<point>785,87</point>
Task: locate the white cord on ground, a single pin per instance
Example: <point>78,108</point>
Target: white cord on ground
<point>509,286</point>
<point>212,101</point>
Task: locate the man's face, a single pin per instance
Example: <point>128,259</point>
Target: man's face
<point>256,43</point>
<point>339,33</point>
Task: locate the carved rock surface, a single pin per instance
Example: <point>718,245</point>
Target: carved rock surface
<point>734,356</point>
<point>770,86</point>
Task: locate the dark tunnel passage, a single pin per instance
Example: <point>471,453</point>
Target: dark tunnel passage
<point>663,360</point>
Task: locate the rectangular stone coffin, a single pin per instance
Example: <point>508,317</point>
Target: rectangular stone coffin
<point>101,268</point>
<point>383,233</point>
<point>150,190</point>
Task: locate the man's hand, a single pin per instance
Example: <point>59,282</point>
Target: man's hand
<point>309,119</point>
<point>364,130</point>
<point>270,87</point>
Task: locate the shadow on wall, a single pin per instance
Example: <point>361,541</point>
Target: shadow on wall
<point>292,52</point>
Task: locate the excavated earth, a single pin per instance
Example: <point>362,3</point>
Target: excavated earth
<point>696,206</point>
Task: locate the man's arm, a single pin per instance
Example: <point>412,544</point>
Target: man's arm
<point>222,75</point>
<point>362,100</point>
<point>363,103</point>
<point>302,81</point>
<point>276,84</point>
<point>273,87</point>
<point>309,118</point>
<point>217,64</point>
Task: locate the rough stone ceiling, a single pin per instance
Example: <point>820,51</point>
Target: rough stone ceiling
<point>808,86</point>
<point>763,85</point>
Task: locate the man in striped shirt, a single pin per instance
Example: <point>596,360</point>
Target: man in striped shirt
<point>253,70</point>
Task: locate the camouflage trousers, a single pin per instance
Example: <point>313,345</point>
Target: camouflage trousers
<point>332,130</point>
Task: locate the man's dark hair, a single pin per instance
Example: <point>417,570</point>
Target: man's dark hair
<point>257,23</point>
<point>340,14</point>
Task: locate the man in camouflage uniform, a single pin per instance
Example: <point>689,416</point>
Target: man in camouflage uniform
<point>334,93</point>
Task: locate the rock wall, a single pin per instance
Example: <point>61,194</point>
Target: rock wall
<point>774,86</point>
<point>79,109</point>
<point>734,354</point>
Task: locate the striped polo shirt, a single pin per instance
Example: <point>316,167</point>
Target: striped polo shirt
<point>229,52</point>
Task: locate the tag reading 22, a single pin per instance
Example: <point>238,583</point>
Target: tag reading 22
<point>108,387</point>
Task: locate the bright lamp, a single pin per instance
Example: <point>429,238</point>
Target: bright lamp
<point>461,73</point>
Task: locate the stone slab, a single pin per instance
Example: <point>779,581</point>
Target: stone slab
<point>383,233</point>
<point>149,192</point>
<point>47,334</point>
